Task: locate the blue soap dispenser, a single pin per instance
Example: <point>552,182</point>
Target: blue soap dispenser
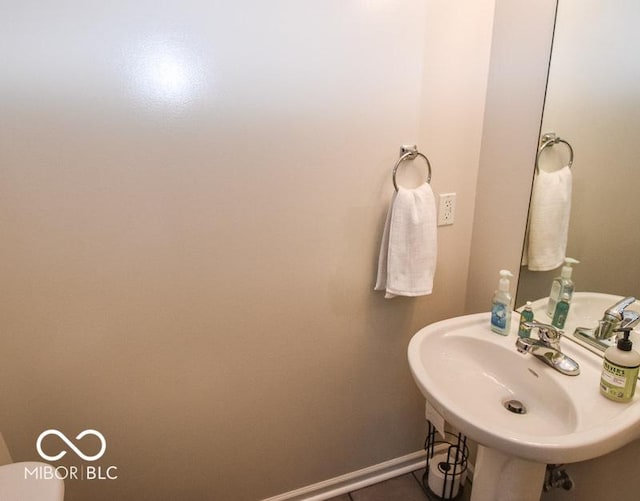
<point>501,305</point>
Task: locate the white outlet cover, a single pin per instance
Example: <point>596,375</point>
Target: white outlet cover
<point>446,209</point>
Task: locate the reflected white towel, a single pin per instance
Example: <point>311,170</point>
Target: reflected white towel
<point>408,252</point>
<point>546,242</point>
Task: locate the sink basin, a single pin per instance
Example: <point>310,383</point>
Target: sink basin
<point>466,383</point>
<point>466,372</point>
<point>15,487</point>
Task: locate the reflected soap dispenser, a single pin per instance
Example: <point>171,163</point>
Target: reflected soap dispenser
<point>562,287</point>
<point>526,315</point>
<point>501,305</point>
<point>562,311</point>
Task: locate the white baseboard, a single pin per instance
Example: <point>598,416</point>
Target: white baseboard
<point>358,479</point>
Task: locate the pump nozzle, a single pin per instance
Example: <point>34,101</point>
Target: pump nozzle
<point>504,280</point>
<point>624,343</point>
<point>567,268</point>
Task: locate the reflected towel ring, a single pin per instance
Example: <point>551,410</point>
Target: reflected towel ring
<point>550,139</point>
<point>409,153</point>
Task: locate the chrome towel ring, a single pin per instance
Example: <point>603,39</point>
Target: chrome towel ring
<point>551,139</point>
<point>410,152</point>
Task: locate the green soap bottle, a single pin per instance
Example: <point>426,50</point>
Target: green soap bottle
<point>526,315</point>
<point>561,312</point>
<point>620,370</point>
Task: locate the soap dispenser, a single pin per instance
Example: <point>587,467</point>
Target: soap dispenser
<point>620,369</point>
<point>526,315</point>
<point>562,311</point>
<point>501,305</point>
<point>562,287</point>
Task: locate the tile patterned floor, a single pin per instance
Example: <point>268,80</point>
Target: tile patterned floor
<point>404,488</point>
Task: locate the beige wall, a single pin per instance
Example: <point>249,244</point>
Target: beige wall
<point>593,479</point>
<point>192,198</point>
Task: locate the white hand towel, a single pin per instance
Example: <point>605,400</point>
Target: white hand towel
<point>408,252</point>
<point>546,242</point>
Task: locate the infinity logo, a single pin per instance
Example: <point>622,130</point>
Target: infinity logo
<point>46,433</point>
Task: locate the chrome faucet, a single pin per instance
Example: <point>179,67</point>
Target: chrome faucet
<point>615,317</point>
<point>547,348</point>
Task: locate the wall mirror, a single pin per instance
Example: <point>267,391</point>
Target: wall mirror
<point>593,101</point>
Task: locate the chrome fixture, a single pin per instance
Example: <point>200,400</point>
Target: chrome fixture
<point>556,476</point>
<point>551,139</point>
<point>615,316</point>
<point>615,319</point>
<point>410,152</point>
<point>547,348</point>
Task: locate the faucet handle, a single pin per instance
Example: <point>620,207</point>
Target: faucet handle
<point>630,319</point>
<point>547,333</point>
<point>617,310</point>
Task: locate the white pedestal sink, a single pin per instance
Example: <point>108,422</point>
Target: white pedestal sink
<point>466,372</point>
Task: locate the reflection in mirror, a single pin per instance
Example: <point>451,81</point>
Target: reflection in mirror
<point>593,101</point>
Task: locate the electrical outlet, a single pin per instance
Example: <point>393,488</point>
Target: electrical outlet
<point>447,209</point>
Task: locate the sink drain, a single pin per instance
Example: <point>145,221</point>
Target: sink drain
<point>515,406</point>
